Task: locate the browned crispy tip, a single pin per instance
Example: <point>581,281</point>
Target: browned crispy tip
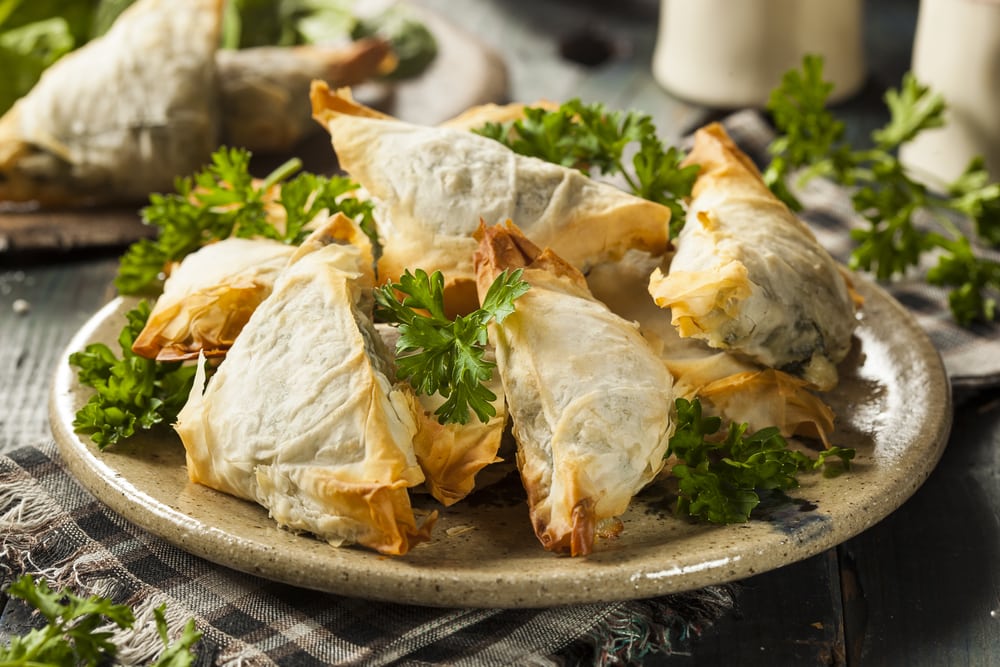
<point>338,229</point>
<point>387,522</point>
<point>502,246</point>
<point>328,104</point>
<point>717,154</point>
<point>360,61</point>
<point>210,330</point>
<point>478,116</point>
<point>579,540</point>
<point>856,298</point>
<point>584,524</point>
<point>713,147</point>
<point>505,247</point>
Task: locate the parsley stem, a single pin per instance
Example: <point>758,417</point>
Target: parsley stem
<point>282,172</point>
<point>945,222</point>
<point>628,179</point>
<point>869,155</point>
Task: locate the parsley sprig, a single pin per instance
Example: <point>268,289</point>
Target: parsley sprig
<point>439,355</point>
<point>591,138</point>
<point>224,200</point>
<point>72,635</point>
<point>812,140</point>
<point>131,392</point>
<point>720,479</point>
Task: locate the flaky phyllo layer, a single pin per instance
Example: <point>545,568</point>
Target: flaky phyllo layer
<point>209,297</point>
<point>433,184</point>
<point>304,417</point>
<point>589,399</point>
<point>98,126</point>
<point>728,385</point>
<point>748,276</point>
<point>453,454</point>
<point>150,99</point>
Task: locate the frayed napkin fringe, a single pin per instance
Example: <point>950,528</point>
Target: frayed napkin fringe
<point>40,535</point>
<point>658,625</point>
<point>35,530</point>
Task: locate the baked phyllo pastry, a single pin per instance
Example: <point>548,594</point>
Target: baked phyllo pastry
<point>589,400</point>
<point>123,115</point>
<point>432,185</point>
<point>209,296</point>
<point>749,277</point>
<point>728,385</point>
<point>304,416</point>
<point>265,89</point>
<point>479,115</point>
<point>453,454</point>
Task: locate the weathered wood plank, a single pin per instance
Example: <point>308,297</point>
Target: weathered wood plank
<point>58,299</point>
<point>790,616</point>
<point>928,576</point>
<point>65,229</point>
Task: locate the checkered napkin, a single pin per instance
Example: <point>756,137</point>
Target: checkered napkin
<point>51,527</point>
<point>971,355</point>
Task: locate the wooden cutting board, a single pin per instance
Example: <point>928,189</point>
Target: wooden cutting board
<point>465,73</point>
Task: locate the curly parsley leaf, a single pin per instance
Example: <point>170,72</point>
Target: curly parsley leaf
<point>810,135</point>
<point>973,195</point>
<point>593,139</point>
<point>179,653</point>
<point>912,109</point>
<point>973,279</point>
<point>224,200</point>
<point>130,392</point>
<point>550,135</point>
<point>72,634</point>
<point>661,178</point>
<point>811,142</point>
<point>719,480</point>
<point>438,355</point>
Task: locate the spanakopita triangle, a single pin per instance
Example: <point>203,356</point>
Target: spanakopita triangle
<point>431,186</point>
<point>749,277</point>
<point>589,400</point>
<point>304,417</point>
<point>121,116</point>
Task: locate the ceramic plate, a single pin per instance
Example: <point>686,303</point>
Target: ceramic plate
<point>893,406</point>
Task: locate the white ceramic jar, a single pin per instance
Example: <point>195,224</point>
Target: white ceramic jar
<point>957,53</point>
<point>732,53</point>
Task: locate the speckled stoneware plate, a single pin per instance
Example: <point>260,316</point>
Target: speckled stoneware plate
<point>893,405</point>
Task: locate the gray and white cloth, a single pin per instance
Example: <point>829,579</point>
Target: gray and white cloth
<point>52,527</point>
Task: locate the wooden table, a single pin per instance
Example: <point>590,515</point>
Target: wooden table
<point>920,588</point>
